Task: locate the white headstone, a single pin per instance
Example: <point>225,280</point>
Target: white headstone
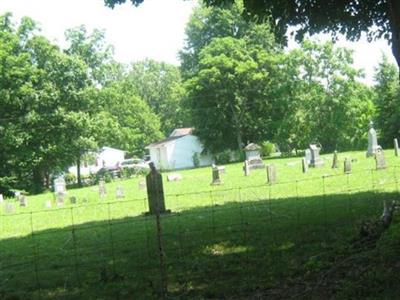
<point>1,198</point>
<point>120,192</point>
<point>308,156</point>
<point>372,141</point>
<point>102,188</point>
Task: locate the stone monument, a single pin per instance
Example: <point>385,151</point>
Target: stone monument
<point>372,141</point>
<point>271,174</point>
<point>216,178</point>
<point>60,190</point>
<point>102,188</point>
<point>335,160</point>
<point>316,161</point>
<point>347,165</point>
<point>304,165</point>
<point>253,158</point>
<point>155,191</point>
<point>396,147</point>
<point>119,192</point>
<point>380,160</point>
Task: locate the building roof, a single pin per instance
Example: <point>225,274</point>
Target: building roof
<point>251,147</point>
<point>176,134</point>
<point>181,131</point>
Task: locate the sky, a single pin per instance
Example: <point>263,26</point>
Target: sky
<point>155,29</point>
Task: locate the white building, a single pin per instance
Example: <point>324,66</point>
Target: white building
<point>105,157</point>
<point>178,151</point>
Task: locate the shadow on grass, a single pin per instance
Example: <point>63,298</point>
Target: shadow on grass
<point>214,252</point>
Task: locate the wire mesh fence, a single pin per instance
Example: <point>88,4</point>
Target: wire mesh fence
<point>214,244</point>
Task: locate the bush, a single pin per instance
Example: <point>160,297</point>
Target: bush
<point>223,157</point>
<point>70,178</point>
<point>196,160</point>
<point>267,148</point>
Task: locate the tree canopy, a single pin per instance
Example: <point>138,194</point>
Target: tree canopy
<point>378,19</point>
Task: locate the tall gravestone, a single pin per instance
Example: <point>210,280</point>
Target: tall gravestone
<point>102,189</point>
<point>246,168</point>
<point>271,174</point>
<point>1,198</point>
<point>60,190</point>
<point>307,154</point>
<point>372,141</point>
<point>216,178</point>
<point>155,191</point>
<point>119,192</point>
<point>347,165</point>
<point>380,160</point>
<point>316,160</point>
<point>335,160</point>
<point>304,165</point>
<point>23,201</point>
<point>396,147</point>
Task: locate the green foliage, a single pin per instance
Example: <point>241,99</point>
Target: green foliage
<point>267,148</point>
<point>223,157</point>
<point>70,178</point>
<point>196,160</point>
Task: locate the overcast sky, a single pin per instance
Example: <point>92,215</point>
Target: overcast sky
<point>155,29</point>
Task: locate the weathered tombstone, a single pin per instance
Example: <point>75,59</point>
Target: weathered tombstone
<point>221,169</point>
<point>72,200</point>
<point>307,155</point>
<point>174,177</point>
<point>47,204</point>
<point>372,141</point>
<point>155,191</point>
<point>17,195</point>
<point>1,198</point>
<point>396,147</point>
<point>84,200</point>
<point>142,185</point>
<point>119,192</point>
<point>380,160</point>
<point>9,208</point>
<point>316,160</point>
<point>102,189</point>
<point>60,190</point>
<point>246,168</point>
<point>216,179</point>
<point>271,174</point>
<point>23,201</point>
<point>347,165</point>
<point>304,165</point>
<point>253,158</point>
<point>335,160</point>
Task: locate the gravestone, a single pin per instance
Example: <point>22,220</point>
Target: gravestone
<point>174,177</point>
<point>85,200</point>
<point>23,201</point>
<point>271,174</point>
<point>380,160</point>
<point>72,200</point>
<point>347,165</point>
<point>119,192</point>
<point>316,161</point>
<point>304,165</point>
<point>9,208</point>
<point>221,169</point>
<point>372,141</point>
<point>396,147</point>
<point>253,158</point>
<point>142,185</point>
<point>246,168</point>
<point>47,204</point>
<point>307,155</point>
<point>216,178</point>
<point>155,191</point>
<point>60,190</point>
<point>335,160</point>
<point>1,198</point>
<point>102,189</point>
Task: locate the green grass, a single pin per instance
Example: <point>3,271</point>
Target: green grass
<point>238,239</point>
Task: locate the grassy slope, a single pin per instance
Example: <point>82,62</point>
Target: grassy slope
<point>220,241</point>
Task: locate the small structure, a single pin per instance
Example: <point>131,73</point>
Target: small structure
<point>316,160</point>
<point>372,141</point>
<point>216,178</point>
<point>60,190</point>
<point>253,158</point>
<point>155,191</point>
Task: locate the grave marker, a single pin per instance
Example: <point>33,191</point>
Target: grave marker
<point>174,177</point>
<point>271,174</point>
<point>72,200</point>
<point>60,190</point>
<point>102,189</point>
<point>335,160</point>
<point>23,201</point>
<point>120,193</point>
<point>396,147</point>
<point>307,155</point>
<point>304,165</point>
<point>9,208</point>
<point>155,191</point>
<point>372,141</point>
<point>1,198</point>
<point>216,179</point>
<point>347,165</point>
<point>316,161</point>
<point>246,168</point>
<point>380,160</point>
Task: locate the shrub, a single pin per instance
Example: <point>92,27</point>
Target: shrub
<point>223,157</point>
<point>196,160</point>
<point>267,148</point>
<point>70,178</point>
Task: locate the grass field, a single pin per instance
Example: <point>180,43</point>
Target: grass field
<point>243,238</point>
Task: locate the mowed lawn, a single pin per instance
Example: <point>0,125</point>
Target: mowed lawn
<point>234,240</point>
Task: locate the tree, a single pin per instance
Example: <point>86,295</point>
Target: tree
<point>159,84</point>
<point>387,101</point>
<point>379,19</point>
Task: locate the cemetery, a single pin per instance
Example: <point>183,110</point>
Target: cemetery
<point>291,201</point>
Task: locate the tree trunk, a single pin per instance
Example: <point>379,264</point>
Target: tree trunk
<point>239,138</point>
<point>394,20</point>
<point>78,170</point>
<point>37,180</point>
